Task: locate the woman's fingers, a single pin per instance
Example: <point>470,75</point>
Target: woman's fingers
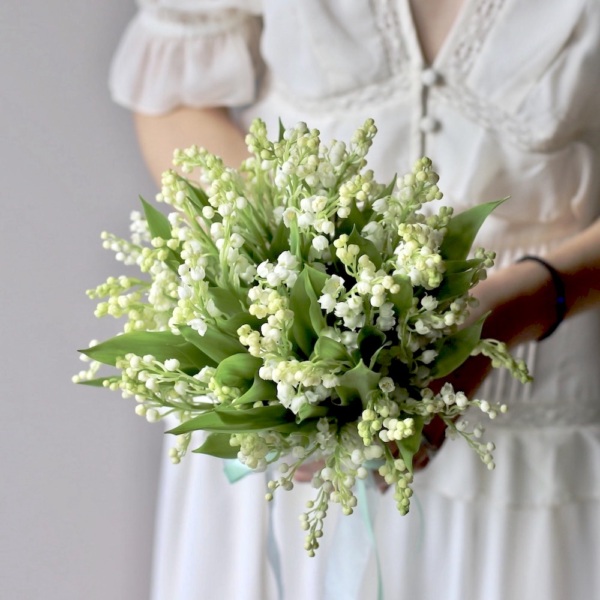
<point>304,473</point>
<point>433,438</point>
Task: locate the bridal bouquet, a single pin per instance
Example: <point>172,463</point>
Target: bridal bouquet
<point>296,309</point>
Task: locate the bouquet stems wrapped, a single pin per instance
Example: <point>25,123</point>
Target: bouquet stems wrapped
<point>297,309</point>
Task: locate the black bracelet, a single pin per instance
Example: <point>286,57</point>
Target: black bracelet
<point>559,288</point>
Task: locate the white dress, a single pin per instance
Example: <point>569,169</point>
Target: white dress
<point>509,107</point>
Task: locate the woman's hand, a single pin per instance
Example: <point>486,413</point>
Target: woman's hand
<point>521,305</point>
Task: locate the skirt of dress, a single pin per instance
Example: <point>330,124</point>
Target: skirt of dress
<point>525,530</point>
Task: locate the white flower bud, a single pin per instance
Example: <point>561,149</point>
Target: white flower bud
<point>172,364</point>
<point>152,415</point>
<point>320,243</point>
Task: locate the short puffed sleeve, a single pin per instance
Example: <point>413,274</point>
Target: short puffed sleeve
<point>195,53</point>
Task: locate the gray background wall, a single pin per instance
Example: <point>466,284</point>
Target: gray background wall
<point>78,469</point>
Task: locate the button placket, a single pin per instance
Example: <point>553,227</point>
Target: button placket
<point>427,124</point>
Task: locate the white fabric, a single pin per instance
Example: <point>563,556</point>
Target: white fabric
<point>509,107</point>
<point>171,56</point>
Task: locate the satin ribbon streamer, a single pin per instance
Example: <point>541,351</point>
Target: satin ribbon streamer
<point>352,547</point>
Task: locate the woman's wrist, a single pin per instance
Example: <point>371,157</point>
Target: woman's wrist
<point>521,299</point>
<point>560,296</point>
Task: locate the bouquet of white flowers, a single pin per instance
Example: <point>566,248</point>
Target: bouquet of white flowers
<point>297,309</point>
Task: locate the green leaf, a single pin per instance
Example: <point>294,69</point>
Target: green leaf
<point>253,419</point>
<point>280,242</point>
<point>173,262</point>
<point>462,230</point>
<point>317,279</point>
<point>294,238</point>
<point>259,391</point>
<point>410,446</point>
<point>459,266</point>
<point>206,421</point>
<point>217,444</point>
<point>366,247</point>
<point>160,227</point>
<point>356,219</point>
<point>315,314</point>
<point>158,224</point>
<point>402,300</point>
<point>316,282</point>
<point>456,348</point>
<point>359,382</point>
<point>160,344</point>
<point>237,420</point>
<point>234,322</point>
<point>458,278</point>
<point>309,319</point>
<point>311,411</point>
<point>238,370</point>
<point>196,196</point>
<point>281,130</point>
<point>225,300</point>
<point>328,349</point>
<point>454,285</point>
<point>215,344</point>
<point>389,189</point>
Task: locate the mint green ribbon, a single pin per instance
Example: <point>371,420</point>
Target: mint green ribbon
<point>353,544</point>
<point>235,470</point>
<point>352,548</point>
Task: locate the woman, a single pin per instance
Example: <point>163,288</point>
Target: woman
<point>504,106</point>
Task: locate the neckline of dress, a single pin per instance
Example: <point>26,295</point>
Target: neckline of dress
<point>450,39</point>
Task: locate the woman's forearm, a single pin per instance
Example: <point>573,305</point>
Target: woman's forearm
<point>578,261</point>
<point>521,300</point>
<point>522,297</point>
<point>211,128</point>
